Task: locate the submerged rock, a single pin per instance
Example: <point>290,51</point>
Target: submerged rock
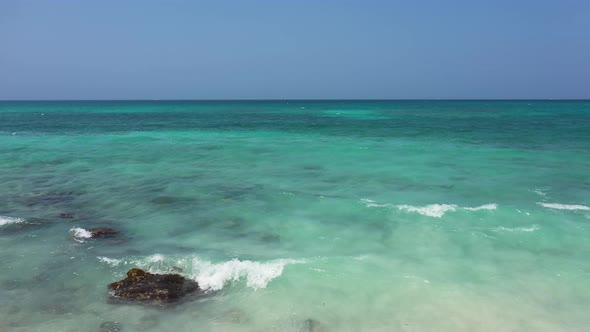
<point>141,286</point>
<point>312,325</point>
<point>82,235</point>
<point>269,237</point>
<point>103,232</point>
<point>67,216</point>
<point>49,198</point>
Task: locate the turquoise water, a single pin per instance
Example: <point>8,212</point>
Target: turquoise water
<point>360,216</point>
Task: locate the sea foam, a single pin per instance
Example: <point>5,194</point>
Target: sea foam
<point>79,234</point>
<point>483,207</point>
<point>258,275</point>
<point>372,203</point>
<point>210,276</point>
<point>110,261</point>
<point>432,210</point>
<point>9,220</point>
<point>565,206</point>
<point>541,192</point>
<point>518,229</point>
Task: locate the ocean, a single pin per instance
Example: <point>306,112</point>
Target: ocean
<point>298,215</point>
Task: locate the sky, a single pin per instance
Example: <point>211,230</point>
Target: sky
<point>298,49</point>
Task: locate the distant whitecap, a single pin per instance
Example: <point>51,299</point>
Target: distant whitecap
<point>110,261</point>
<point>483,207</point>
<point>372,203</point>
<point>433,210</point>
<point>532,228</point>
<point>565,206</point>
<point>9,220</point>
<point>541,192</point>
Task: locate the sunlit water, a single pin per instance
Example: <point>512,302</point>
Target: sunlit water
<point>299,216</point>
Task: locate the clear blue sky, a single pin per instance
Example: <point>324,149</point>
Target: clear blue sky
<point>255,49</point>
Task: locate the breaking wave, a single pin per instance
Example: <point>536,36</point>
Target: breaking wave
<point>432,210</point>
<point>79,234</point>
<point>541,192</point>
<point>565,206</point>
<point>372,203</point>
<point>9,220</point>
<point>483,207</point>
<point>210,276</point>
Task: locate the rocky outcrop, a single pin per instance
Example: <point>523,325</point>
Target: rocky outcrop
<point>103,232</point>
<point>145,287</point>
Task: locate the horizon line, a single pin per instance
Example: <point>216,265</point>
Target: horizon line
<point>301,99</point>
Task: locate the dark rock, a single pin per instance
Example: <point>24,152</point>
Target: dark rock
<point>141,286</point>
<point>110,327</point>
<point>103,232</point>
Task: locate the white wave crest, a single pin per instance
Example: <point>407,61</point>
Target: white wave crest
<point>483,207</point>
<point>518,229</point>
<point>110,261</point>
<point>565,206</point>
<point>210,276</point>
<point>258,275</point>
<point>433,210</point>
<point>541,192</point>
<point>9,220</point>
<point>79,234</point>
<point>372,203</point>
<point>156,258</point>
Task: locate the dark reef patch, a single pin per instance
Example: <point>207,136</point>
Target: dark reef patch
<point>158,289</point>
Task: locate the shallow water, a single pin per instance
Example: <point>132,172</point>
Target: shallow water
<point>299,216</point>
